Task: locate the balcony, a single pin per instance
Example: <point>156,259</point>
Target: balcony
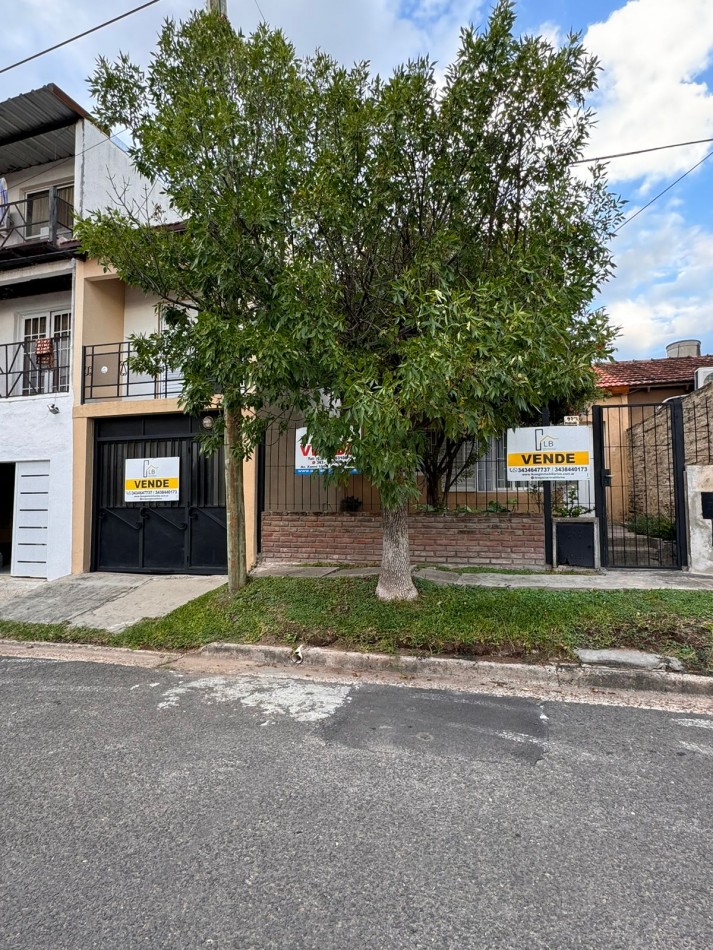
<point>35,229</point>
<point>108,375</point>
<point>35,368</point>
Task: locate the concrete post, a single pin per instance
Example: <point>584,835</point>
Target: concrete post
<point>699,484</point>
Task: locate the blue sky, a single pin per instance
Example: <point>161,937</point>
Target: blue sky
<point>655,89</point>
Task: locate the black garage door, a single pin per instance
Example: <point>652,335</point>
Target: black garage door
<point>183,536</point>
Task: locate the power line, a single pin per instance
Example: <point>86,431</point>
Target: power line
<point>639,151</point>
<point>260,11</point>
<point>79,36</point>
<point>661,193</point>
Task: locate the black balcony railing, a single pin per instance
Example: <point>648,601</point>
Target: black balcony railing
<point>36,225</point>
<point>108,375</point>
<point>35,367</point>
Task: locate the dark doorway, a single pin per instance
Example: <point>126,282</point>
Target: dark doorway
<point>7,508</point>
<point>183,536</point>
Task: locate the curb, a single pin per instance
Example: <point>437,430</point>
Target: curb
<point>485,673</point>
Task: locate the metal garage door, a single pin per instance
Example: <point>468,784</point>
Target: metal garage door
<point>158,537</point>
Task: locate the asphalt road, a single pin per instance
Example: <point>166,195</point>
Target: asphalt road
<point>145,809</point>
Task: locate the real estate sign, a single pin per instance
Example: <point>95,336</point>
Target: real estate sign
<point>549,453</point>
<point>152,479</point>
<point>307,462</point>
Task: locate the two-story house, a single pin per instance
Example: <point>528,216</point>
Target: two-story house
<point>65,388</point>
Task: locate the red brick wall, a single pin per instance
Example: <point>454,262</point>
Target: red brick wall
<point>513,540</point>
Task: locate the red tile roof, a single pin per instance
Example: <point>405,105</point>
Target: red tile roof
<point>669,371</point>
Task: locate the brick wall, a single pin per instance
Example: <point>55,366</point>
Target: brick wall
<point>512,540</point>
<point>650,464</point>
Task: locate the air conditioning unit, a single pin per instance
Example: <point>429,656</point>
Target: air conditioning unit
<point>703,376</point>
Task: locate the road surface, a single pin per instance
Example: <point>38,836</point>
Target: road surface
<point>152,809</point>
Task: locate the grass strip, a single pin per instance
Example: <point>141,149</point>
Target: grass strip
<point>523,624</point>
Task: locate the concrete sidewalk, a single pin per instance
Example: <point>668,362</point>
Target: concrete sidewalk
<point>106,601</point>
<point>548,580</point>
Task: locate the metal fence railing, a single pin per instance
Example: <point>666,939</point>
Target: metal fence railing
<point>698,426</point>
<point>108,374</point>
<point>43,218</point>
<point>476,482</point>
<point>35,367</point>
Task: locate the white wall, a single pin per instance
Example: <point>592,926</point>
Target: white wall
<point>104,173</point>
<point>21,183</point>
<point>139,313</point>
<point>30,432</point>
<point>10,311</point>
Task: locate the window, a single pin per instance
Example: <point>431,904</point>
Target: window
<point>38,211</point>
<point>46,368</point>
<point>486,473</point>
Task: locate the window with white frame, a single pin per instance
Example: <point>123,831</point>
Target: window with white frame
<point>485,473</point>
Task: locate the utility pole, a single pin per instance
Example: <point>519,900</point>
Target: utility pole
<point>217,6</point>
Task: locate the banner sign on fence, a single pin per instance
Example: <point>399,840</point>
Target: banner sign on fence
<point>152,479</point>
<point>307,462</point>
<point>550,453</point>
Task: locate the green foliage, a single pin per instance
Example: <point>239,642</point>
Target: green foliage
<point>566,505</point>
<point>653,526</point>
<point>386,256</point>
<point>534,624</point>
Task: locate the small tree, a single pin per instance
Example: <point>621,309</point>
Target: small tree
<point>447,256</point>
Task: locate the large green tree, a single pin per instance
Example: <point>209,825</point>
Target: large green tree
<point>393,258</point>
<point>449,256</point>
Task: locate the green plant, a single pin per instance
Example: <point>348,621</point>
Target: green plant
<point>568,506</point>
<point>653,526</point>
<point>495,508</point>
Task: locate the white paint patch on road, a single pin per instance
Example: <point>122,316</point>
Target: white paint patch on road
<point>694,747</point>
<point>518,737</point>
<point>695,723</point>
<point>300,700</point>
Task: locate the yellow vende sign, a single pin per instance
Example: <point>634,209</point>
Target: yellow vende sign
<point>556,453</point>
<point>156,479</point>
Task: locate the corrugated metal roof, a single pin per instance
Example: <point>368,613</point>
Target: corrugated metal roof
<point>37,127</point>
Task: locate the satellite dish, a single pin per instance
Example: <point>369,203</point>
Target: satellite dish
<point>3,200</point>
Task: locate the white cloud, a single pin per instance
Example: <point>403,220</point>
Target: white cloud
<point>661,291</point>
<point>653,53</point>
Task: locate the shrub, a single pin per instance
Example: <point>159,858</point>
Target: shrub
<point>653,526</point>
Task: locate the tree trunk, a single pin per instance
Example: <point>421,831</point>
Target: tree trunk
<point>395,581</point>
<point>434,493</point>
<point>235,504</point>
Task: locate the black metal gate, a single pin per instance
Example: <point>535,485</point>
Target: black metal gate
<point>639,463</point>
<point>187,536</point>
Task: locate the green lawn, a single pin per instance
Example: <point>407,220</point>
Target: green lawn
<point>344,613</point>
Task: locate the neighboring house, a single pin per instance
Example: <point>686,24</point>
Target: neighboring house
<point>65,388</point>
<point>640,382</point>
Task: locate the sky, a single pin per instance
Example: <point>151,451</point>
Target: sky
<point>655,89</point>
